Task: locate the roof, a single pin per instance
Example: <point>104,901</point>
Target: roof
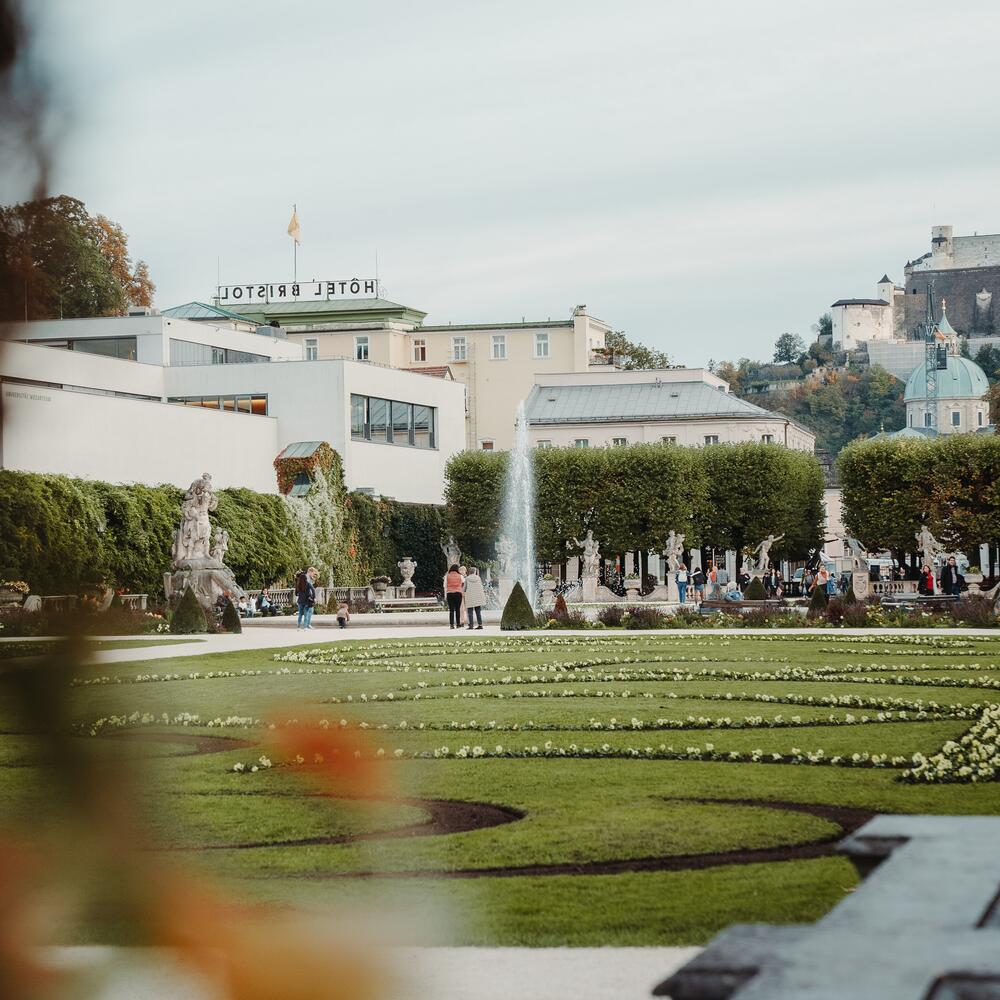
<point>336,310</point>
<point>943,325</point>
<point>203,310</point>
<point>300,449</point>
<point>436,371</point>
<point>910,432</point>
<point>859,302</point>
<point>964,379</point>
<point>636,401</point>
<point>884,279</point>
<point>541,325</point>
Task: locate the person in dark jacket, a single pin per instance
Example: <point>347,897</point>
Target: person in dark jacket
<point>951,579</point>
<point>306,596</point>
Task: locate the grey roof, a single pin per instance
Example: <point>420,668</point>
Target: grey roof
<point>859,302</point>
<point>319,305</point>
<point>884,279</point>
<point>203,310</point>
<point>635,401</point>
<point>300,449</point>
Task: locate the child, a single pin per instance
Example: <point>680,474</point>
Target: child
<point>343,614</point>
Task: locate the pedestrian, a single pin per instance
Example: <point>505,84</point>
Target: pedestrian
<point>821,579</point>
<point>464,571</point>
<point>698,582</point>
<point>343,614</point>
<point>951,579</point>
<point>453,595</point>
<point>682,582</point>
<point>732,592</point>
<point>475,596</point>
<point>926,584</point>
<point>713,581</point>
<point>305,596</point>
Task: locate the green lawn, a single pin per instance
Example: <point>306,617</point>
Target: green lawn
<point>579,736</point>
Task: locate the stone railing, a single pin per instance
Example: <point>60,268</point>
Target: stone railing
<point>881,588</point>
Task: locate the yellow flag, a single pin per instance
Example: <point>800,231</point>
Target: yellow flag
<point>293,228</point>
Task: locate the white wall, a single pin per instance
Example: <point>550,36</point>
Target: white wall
<point>854,324</point>
<point>125,440</point>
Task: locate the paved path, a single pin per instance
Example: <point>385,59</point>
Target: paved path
<point>422,973</point>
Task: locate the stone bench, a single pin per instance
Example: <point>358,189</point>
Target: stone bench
<point>932,602</point>
<point>924,925</point>
<point>406,603</point>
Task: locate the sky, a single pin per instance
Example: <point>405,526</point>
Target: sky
<point>702,176</point>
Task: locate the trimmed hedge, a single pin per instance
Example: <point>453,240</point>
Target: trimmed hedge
<point>755,591</point>
<point>517,614</point>
<point>189,616</point>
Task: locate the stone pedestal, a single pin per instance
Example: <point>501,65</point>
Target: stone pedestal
<point>673,594</point>
<point>589,589</point>
<point>207,577</point>
<point>859,584</point>
<point>632,586</point>
<point>546,594</point>
<point>406,591</point>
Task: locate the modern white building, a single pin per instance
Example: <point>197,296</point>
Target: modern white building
<point>685,406</point>
<point>155,399</point>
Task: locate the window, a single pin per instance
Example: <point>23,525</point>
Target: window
<point>390,421</point>
<point>956,418</point>
<point>420,349</point>
<point>544,444</point>
<point>979,418</point>
<point>711,439</point>
<point>499,347</point>
<point>581,443</point>
<point>360,348</point>
<point>911,419</point>
<point>767,438</point>
<point>458,349</point>
<point>108,347</point>
<point>486,445</point>
<point>618,442</point>
<point>669,439</point>
<point>312,349</point>
<point>255,403</point>
<point>927,419</point>
<point>541,345</point>
<point>184,353</point>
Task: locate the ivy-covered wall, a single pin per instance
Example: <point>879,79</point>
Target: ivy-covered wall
<point>59,533</point>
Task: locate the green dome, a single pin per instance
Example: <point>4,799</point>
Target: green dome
<point>964,379</point>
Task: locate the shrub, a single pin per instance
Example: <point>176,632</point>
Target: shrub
<point>517,614</point>
<point>818,602</point>
<point>975,611</point>
<point>855,614</point>
<point>189,616</point>
<point>755,591</point>
<point>642,618</point>
<point>231,618</point>
<point>559,610</point>
<point>611,616</point>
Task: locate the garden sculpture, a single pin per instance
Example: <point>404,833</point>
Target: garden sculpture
<point>451,551</point>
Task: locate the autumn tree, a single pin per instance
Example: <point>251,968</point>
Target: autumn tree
<point>57,261</point>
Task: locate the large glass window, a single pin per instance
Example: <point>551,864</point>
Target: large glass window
<point>186,352</point>
<point>392,421</point>
<point>378,419</point>
<point>108,347</point>
<point>360,348</point>
<point>255,403</point>
<point>459,349</point>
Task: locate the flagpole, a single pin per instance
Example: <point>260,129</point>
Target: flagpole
<point>295,250</point>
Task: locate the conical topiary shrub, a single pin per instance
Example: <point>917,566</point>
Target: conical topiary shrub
<point>818,601</point>
<point>231,618</point>
<point>188,616</point>
<point>755,591</point>
<point>517,614</point>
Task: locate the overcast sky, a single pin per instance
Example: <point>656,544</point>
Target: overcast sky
<point>704,176</point>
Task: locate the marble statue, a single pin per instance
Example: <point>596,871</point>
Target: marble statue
<point>406,566</point>
<point>451,551</point>
<point>927,545</point>
<point>673,551</point>
<point>505,556</point>
<point>196,556</point>
<point>590,566</point>
<point>763,552</point>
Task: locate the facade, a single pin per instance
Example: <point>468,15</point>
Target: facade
<point>685,406</point>
<point>497,363</point>
<point>157,399</point>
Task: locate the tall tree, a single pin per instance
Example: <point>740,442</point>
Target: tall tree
<point>627,354</point>
<point>58,261</point>
<point>789,347</point>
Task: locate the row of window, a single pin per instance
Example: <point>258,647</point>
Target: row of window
<point>107,347</point>
<point>184,353</point>
<point>459,348</point>
<point>956,419</point>
<point>619,442</point>
<point>389,421</point>
<point>255,403</point>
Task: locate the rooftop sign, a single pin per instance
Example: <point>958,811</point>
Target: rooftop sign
<point>296,291</point>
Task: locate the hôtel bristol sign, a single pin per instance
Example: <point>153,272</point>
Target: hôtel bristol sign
<point>296,291</point>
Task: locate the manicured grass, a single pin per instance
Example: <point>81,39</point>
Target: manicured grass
<point>720,694</point>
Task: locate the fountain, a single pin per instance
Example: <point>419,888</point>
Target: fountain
<point>518,513</point>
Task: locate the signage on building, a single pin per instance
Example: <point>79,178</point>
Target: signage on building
<point>296,291</point>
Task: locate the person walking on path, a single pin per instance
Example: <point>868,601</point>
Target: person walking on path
<point>305,595</point>
<point>475,596</point>
<point>713,581</point>
<point>461,611</point>
<point>453,595</point>
<point>698,581</point>
<point>951,579</point>
<point>343,614</point>
<point>682,582</point>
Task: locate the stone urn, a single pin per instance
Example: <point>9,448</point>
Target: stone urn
<point>379,585</point>
<point>546,593</point>
<point>632,585</point>
<point>973,582</point>
<point>12,592</point>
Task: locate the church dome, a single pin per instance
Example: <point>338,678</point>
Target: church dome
<point>964,379</point>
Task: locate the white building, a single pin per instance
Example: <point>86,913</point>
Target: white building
<point>155,399</point>
<point>858,321</point>
<point>685,406</point>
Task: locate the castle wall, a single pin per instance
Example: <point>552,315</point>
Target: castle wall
<point>960,286</point>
